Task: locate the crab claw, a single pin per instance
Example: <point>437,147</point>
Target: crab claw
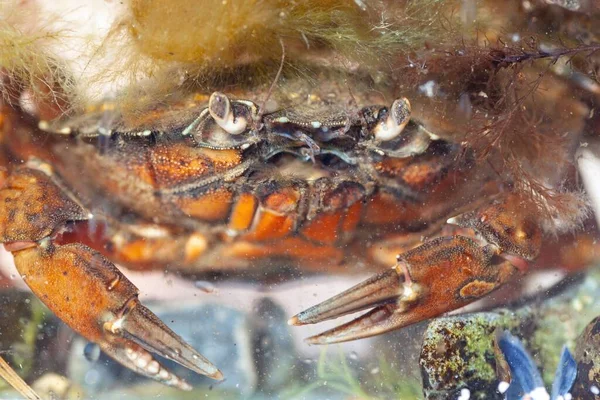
<point>139,331</point>
<point>386,292</point>
<point>436,277</point>
<point>94,298</point>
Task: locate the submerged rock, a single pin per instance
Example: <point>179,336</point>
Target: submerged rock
<point>275,358</point>
<point>54,386</point>
<point>459,352</point>
<point>587,383</point>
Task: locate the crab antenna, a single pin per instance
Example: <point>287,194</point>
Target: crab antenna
<point>357,111</point>
<point>262,106</point>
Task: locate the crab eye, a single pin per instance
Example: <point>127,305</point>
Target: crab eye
<point>219,107</point>
<point>394,134</point>
<point>397,117</point>
<point>221,124</point>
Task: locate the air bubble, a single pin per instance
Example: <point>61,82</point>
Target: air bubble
<point>91,352</point>
<point>92,377</point>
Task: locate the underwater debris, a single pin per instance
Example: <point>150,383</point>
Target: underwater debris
<point>15,381</point>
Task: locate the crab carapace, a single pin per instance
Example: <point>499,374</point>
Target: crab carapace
<point>216,184</point>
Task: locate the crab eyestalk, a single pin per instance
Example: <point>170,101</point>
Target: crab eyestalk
<point>222,112</point>
<point>397,118</point>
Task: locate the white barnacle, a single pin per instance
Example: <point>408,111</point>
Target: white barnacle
<point>220,109</point>
<point>396,121</point>
<point>282,120</point>
<point>46,127</point>
<point>503,387</point>
<point>539,393</point>
<point>104,132</point>
<point>115,326</point>
<point>153,367</point>
<point>465,394</point>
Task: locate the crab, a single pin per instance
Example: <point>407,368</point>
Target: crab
<point>220,183</point>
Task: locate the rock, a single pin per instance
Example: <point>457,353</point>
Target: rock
<point>57,387</point>
<point>587,383</point>
<point>275,358</point>
<point>458,352</point>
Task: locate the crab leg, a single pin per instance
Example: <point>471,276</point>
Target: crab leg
<point>81,286</point>
<point>439,276</point>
